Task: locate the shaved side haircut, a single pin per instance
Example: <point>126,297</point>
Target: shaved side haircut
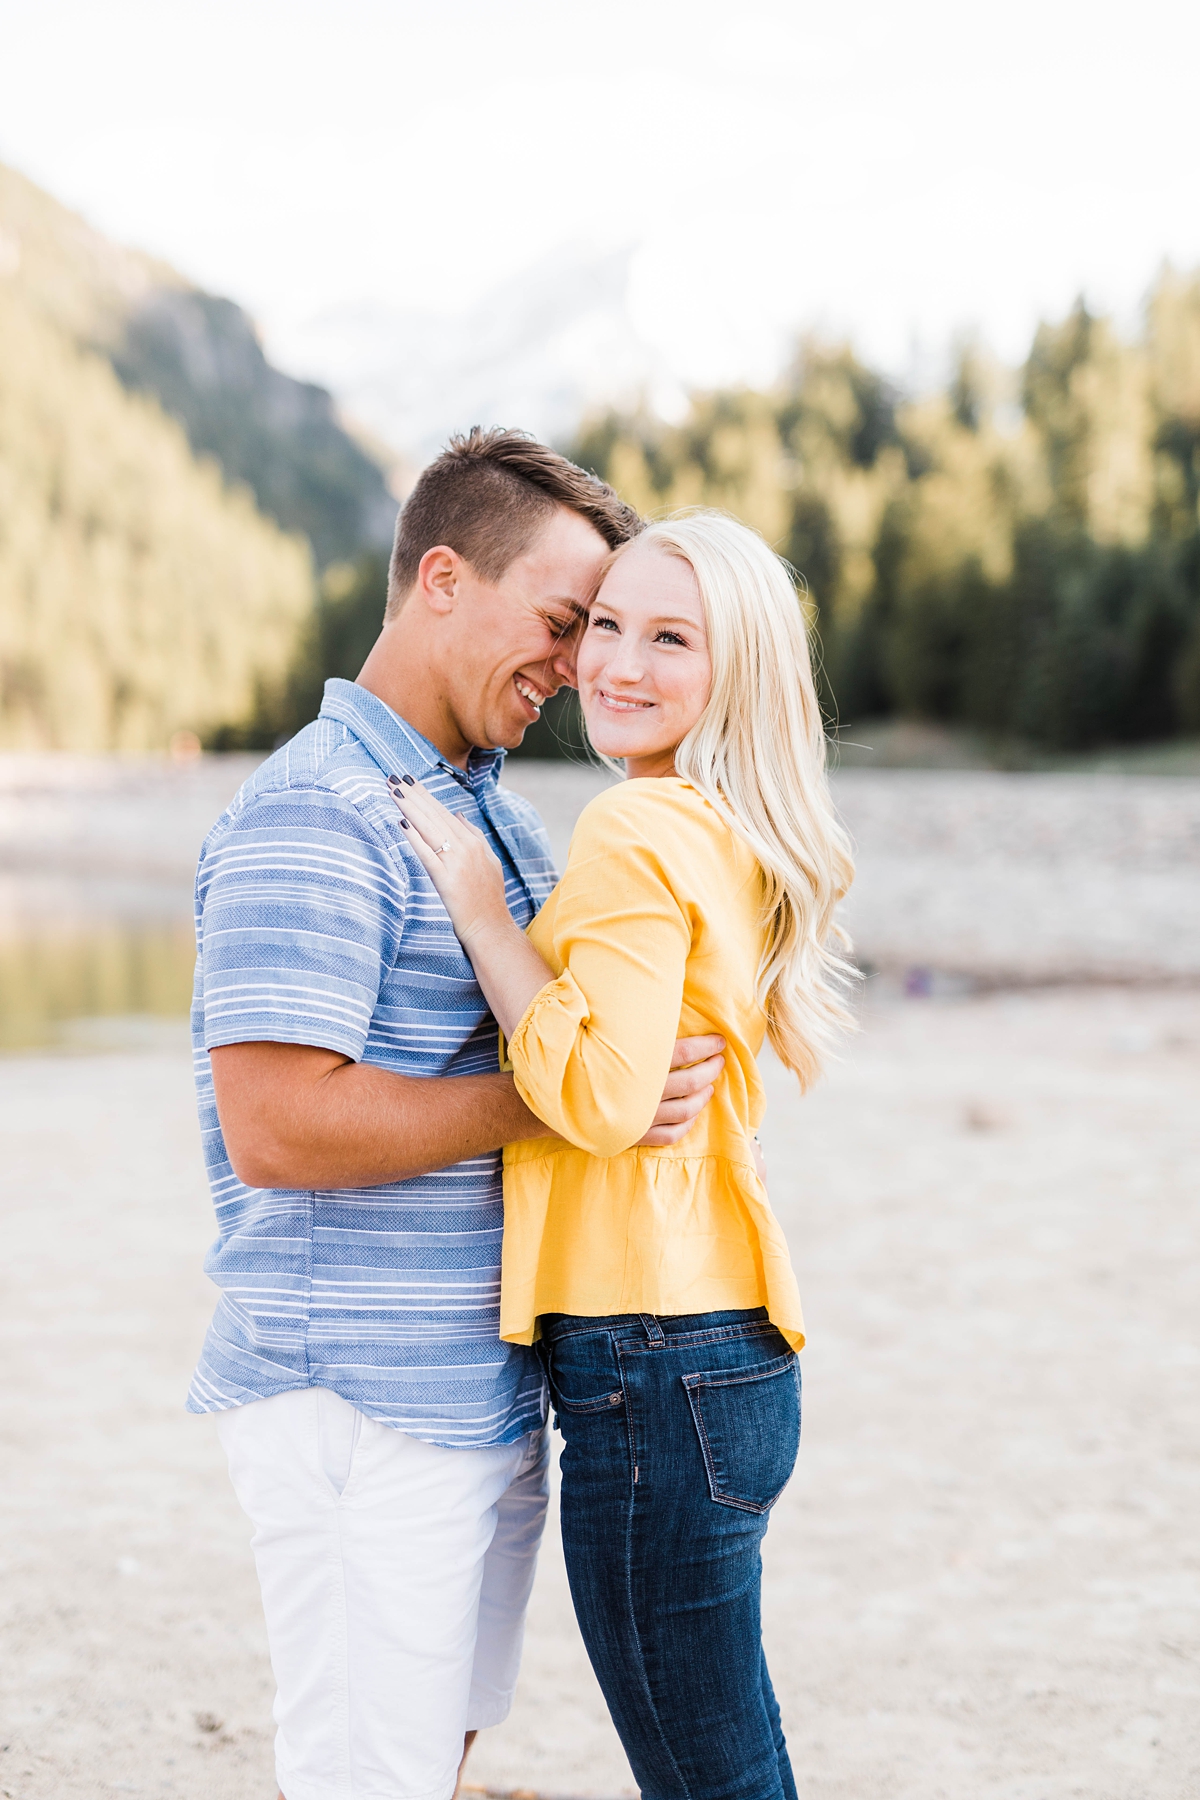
<point>487,496</point>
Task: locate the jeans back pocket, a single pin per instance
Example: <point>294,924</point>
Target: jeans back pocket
<point>748,1423</point>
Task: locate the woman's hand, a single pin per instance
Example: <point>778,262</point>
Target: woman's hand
<point>458,859</point>
<point>467,874</point>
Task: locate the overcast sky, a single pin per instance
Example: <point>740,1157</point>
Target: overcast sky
<point>896,171</point>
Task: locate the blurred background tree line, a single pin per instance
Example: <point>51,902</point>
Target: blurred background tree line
<point>190,540</point>
<point>1020,554</point>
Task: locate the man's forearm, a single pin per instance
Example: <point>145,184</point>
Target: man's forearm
<point>299,1117</point>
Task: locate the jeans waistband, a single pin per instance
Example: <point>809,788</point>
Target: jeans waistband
<point>648,1327</point>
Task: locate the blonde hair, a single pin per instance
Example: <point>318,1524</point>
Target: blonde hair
<point>757,754</point>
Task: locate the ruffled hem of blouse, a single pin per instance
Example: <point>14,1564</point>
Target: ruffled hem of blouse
<point>776,1289</point>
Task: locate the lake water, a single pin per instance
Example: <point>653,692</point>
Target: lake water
<point>967,876</point>
<point>72,951</point>
<point>111,968</point>
<point>97,857</point>
<point>96,863</point>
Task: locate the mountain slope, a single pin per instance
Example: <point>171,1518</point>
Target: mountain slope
<point>138,593</point>
<point>201,359</point>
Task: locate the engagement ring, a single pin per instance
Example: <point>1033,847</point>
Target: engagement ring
<point>442,848</point>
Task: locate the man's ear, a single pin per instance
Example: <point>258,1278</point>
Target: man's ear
<point>439,575</point>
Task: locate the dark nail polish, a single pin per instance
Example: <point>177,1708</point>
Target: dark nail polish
<point>403,824</point>
<point>409,779</point>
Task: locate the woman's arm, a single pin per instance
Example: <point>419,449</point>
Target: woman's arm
<point>592,1047</point>
<point>470,881</point>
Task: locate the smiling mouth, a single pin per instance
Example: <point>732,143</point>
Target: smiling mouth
<point>533,696</point>
<point>615,705</point>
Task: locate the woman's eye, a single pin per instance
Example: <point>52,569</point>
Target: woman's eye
<point>601,623</point>
<point>670,637</point>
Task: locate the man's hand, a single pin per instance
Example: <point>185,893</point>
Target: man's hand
<point>695,1066</point>
<point>295,1116</point>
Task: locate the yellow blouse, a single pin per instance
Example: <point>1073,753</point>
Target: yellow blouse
<point>653,933</point>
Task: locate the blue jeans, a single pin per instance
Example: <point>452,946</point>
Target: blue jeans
<point>679,1434</point>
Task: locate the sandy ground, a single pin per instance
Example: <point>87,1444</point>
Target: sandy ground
<point>984,1581</point>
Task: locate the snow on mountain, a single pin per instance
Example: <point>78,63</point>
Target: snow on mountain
<point>539,351</point>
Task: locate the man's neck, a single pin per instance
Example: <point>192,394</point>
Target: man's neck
<point>409,685</point>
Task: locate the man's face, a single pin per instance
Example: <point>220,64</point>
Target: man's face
<point>512,642</point>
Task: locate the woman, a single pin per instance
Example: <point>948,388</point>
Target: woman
<point>698,896</point>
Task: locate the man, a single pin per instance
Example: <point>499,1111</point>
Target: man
<point>389,1449</point>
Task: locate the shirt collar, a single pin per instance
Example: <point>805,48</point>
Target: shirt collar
<point>392,742</point>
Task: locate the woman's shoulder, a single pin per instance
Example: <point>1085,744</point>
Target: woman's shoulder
<point>648,803</point>
<point>661,813</point>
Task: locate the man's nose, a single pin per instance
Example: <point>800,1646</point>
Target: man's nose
<point>562,664</point>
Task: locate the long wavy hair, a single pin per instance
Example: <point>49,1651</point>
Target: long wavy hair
<point>757,754</point>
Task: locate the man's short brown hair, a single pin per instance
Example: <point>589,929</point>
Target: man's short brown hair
<point>487,496</point>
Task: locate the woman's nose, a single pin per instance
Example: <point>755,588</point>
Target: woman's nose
<point>625,663</point>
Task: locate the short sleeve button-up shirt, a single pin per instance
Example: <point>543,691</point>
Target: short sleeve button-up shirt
<point>316,924</point>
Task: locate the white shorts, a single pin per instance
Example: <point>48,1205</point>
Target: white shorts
<point>394,1576</point>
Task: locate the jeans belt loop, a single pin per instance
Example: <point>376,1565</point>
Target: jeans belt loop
<point>652,1328</point>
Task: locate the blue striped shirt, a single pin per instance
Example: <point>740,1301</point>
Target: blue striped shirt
<point>316,924</point>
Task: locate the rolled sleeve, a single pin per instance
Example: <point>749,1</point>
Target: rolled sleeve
<point>300,908</point>
<point>593,1049</point>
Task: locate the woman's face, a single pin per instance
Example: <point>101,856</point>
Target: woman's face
<point>643,669</point>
